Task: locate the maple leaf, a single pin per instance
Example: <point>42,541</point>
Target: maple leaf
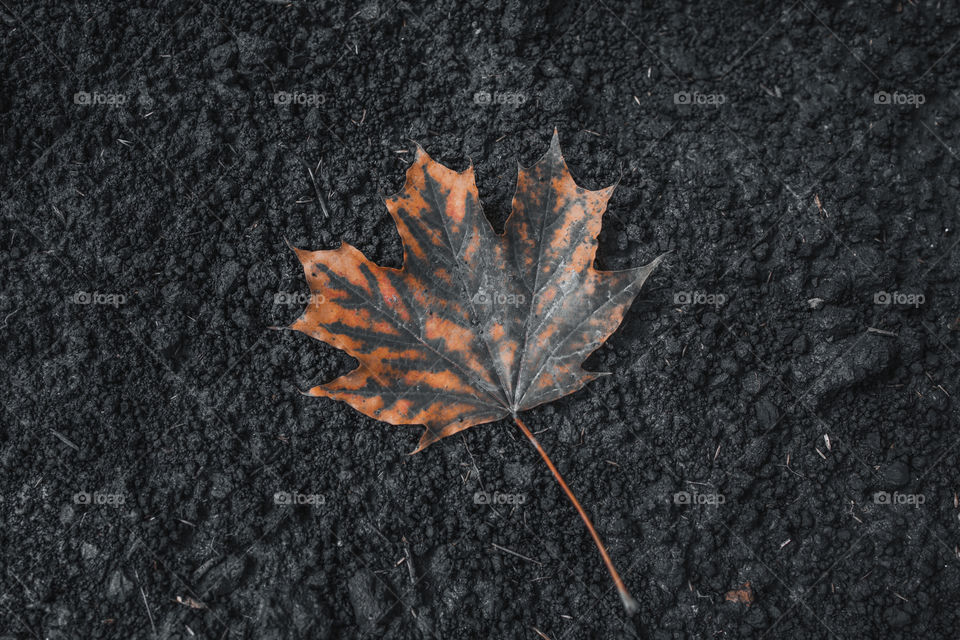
<point>476,326</point>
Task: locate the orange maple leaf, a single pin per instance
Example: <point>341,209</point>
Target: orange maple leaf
<point>475,326</point>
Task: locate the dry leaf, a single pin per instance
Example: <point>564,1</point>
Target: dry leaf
<point>743,595</point>
<point>475,326</point>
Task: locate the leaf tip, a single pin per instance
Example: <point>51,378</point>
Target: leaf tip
<point>420,447</point>
<point>552,155</point>
<point>420,154</point>
<point>617,181</point>
<point>426,440</point>
<point>606,192</point>
<point>299,252</point>
<point>660,258</point>
<point>555,143</point>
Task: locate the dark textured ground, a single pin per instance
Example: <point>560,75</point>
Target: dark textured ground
<point>179,402</point>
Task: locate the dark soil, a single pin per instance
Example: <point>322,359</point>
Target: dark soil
<point>145,434</point>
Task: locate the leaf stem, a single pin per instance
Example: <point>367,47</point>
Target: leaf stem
<point>629,603</point>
